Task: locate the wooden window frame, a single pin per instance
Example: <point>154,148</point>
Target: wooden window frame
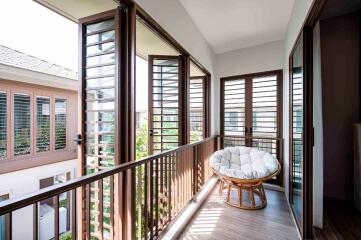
<point>125,18</point>
<point>53,99</point>
<point>248,110</point>
<point>34,159</point>
<point>205,110</point>
<point>187,58</point>
<point>35,98</point>
<point>8,123</point>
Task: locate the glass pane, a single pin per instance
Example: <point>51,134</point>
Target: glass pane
<point>100,71</point>
<point>234,107</point>
<point>21,124</point>
<point>297,130</point>
<point>104,36</point>
<point>165,104</point>
<point>264,106</point>
<point>100,26</point>
<point>3,124</point>
<point>196,108</point>
<point>60,123</point>
<point>104,48</point>
<point>99,118</point>
<point>99,94</point>
<point>102,59</point>
<point>42,124</point>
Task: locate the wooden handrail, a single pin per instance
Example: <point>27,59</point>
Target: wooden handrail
<point>11,205</point>
<point>253,137</point>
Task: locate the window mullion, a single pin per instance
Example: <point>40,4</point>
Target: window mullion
<point>248,105</point>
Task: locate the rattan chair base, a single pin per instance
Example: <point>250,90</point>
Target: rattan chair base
<point>253,186</point>
<point>254,189</point>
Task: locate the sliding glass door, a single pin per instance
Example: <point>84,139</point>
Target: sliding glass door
<point>297,131</point>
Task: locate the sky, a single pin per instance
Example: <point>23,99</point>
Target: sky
<point>28,27</point>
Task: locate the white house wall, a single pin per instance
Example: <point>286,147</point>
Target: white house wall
<point>27,181</point>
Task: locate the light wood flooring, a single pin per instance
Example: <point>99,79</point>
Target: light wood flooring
<point>217,220</point>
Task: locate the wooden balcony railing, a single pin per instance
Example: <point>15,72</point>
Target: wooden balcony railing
<point>164,184</point>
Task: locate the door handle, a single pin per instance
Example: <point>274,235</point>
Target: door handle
<point>150,132</point>
<point>78,139</point>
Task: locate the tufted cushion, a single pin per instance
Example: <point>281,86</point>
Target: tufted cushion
<point>244,162</point>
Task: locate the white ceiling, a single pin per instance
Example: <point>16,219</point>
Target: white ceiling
<point>233,24</point>
<point>75,10</point>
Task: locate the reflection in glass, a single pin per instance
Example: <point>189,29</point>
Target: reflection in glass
<point>297,130</point>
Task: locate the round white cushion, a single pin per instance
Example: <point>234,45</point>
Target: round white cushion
<point>244,162</point>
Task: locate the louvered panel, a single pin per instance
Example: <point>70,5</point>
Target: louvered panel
<point>3,124</point>
<point>264,106</point>
<point>100,121</point>
<point>234,107</point>
<point>60,123</point>
<point>42,124</point>
<point>196,109</point>
<point>297,125</point>
<point>164,103</point>
<point>22,143</point>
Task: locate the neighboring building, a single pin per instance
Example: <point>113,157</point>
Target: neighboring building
<point>38,122</point>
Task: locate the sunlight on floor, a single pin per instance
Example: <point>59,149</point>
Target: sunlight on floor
<point>205,223</point>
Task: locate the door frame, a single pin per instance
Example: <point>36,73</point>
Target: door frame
<point>248,111</point>
<point>306,230</point>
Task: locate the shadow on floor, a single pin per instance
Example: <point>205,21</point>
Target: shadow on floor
<point>340,221</point>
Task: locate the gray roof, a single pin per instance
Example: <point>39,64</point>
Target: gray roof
<point>11,57</point>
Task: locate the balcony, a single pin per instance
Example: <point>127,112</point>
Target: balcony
<point>168,189</point>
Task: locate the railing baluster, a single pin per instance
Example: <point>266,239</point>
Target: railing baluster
<point>73,215</point>
<point>35,221</point>
<point>101,207</point>
<point>111,206</point>
<point>156,222</point>
<point>151,197</point>
<point>88,209</point>
<point>169,163</point>
<point>171,179</point>
<point>56,217</point>
<point>146,217</point>
<point>161,194</point>
<point>139,175</point>
<point>9,226</point>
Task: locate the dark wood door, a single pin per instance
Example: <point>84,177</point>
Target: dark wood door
<point>164,102</point>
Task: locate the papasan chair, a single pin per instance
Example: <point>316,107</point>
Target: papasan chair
<point>245,169</point>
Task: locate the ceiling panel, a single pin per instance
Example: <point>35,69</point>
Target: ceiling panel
<point>75,10</point>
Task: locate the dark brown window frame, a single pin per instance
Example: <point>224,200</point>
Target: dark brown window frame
<point>187,58</point>
<point>125,18</point>
<point>205,117</point>
<point>248,111</point>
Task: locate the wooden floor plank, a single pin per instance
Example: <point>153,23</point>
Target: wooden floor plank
<point>217,220</point>
<point>341,221</point>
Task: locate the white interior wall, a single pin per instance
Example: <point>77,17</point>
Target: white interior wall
<point>255,59</point>
<point>175,20</point>
<point>318,134</point>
